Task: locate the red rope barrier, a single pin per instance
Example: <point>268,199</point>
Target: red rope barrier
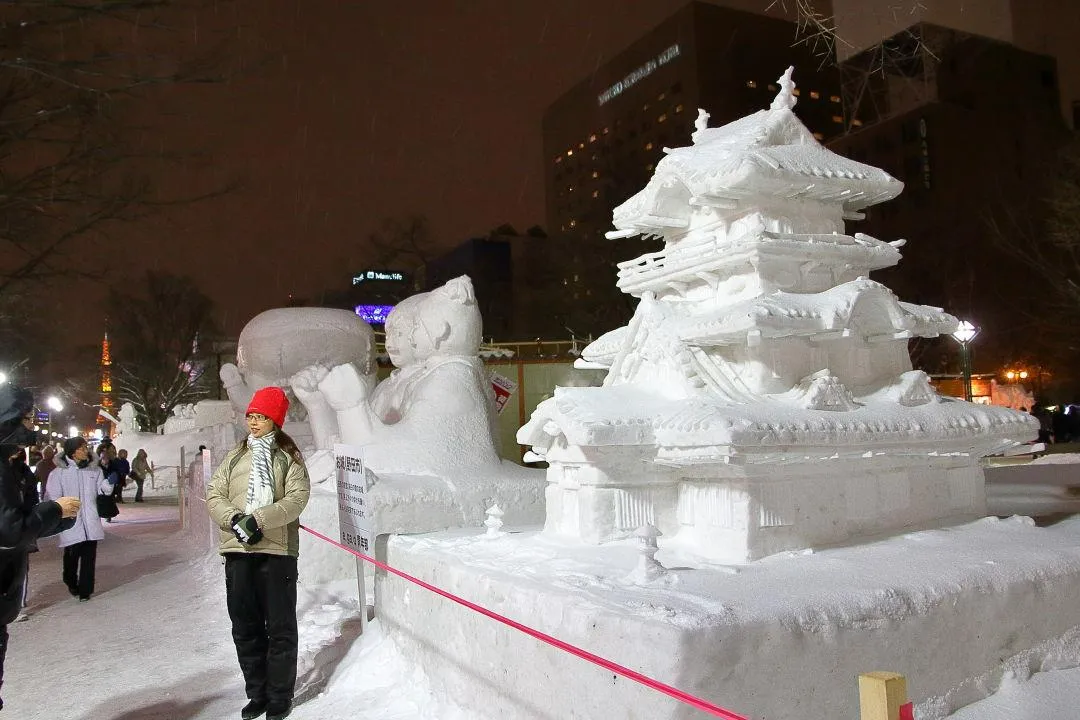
<point>645,680</point>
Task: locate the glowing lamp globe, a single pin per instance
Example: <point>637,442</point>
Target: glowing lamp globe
<point>965,332</point>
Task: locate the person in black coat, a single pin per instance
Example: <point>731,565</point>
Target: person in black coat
<point>21,524</point>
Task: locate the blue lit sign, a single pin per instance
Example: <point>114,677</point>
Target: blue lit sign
<point>374,314</point>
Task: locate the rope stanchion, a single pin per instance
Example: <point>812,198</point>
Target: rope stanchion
<point>693,701</point>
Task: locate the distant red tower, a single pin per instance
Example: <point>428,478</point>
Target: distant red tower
<point>106,379</point>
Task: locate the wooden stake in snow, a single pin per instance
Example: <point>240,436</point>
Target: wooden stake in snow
<point>883,696</point>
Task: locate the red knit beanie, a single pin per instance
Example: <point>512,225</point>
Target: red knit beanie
<point>271,402</point>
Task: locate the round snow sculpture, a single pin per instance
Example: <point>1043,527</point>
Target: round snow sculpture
<point>278,343</point>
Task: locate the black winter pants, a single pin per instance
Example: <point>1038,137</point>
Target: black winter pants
<point>79,562</point>
<point>261,594</point>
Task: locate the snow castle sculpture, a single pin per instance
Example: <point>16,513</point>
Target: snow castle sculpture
<point>762,398</point>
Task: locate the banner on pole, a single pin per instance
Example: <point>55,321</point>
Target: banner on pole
<point>504,387</point>
<point>354,517</point>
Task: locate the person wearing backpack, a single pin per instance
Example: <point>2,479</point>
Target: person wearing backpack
<point>140,470</point>
<point>255,497</point>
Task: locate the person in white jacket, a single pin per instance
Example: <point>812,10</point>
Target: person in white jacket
<point>76,476</point>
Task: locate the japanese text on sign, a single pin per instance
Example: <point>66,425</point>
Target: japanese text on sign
<point>353,517</point>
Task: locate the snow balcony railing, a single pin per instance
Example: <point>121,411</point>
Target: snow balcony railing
<point>670,267</point>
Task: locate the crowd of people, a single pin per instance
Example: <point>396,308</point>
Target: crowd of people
<point>52,490</point>
<point>255,497</point>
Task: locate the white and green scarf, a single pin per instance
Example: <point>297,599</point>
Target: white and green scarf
<point>260,491</point>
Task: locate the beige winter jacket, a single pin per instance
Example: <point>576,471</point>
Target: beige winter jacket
<point>280,522</point>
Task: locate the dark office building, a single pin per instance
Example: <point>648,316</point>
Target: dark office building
<point>603,138</point>
<point>487,262</point>
<point>972,126</point>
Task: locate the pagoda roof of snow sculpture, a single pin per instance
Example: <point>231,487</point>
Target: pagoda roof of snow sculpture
<point>768,153</point>
<point>759,338</point>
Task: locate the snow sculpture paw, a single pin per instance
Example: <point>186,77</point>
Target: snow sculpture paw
<point>230,375</point>
<point>305,384</point>
<point>344,387</point>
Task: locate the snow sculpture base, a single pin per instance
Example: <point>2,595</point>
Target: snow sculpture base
<point>783,638</point>
<point>427,503</point>
<point>738,513</point>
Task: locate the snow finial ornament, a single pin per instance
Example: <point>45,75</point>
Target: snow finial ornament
<point>785,99</point>
<point>700,125</point>
<point>494,522</point>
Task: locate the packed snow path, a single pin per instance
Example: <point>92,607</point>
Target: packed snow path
<point>154,641</point>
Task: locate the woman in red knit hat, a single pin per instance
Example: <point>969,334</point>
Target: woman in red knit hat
<point>256,496</point>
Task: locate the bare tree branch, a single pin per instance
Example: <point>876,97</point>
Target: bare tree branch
<point>158,336</point>
<point>69,163</point>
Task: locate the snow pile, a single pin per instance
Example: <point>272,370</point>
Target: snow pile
<point>953,609</point>
<point>1045,485</point>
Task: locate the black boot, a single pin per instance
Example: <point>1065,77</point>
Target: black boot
<point>276,712</point>
<point>253,709</point>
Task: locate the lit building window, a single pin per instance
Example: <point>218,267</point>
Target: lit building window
<point>607,130</point>
<point>569,188</point>
<point>570,152</point>
<point>596,193</point>
<point>819,136</point>
<point>596,173</point>
<point>646,107</point>
<point>751,84</point>
<point>660,97</point>
<point>573,224</point>
<point>581,146</point>
<point>796,92</point>
<point>838,119</point>
<point>592,138</point>
<point>815,95</point>
<point>662,118</point>
<point>678,108</point>
<point>558,159</point>
<point>648,146</point>
<point>834,98</point>
<point>857,122</point>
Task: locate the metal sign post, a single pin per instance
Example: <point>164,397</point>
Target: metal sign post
<point>353,517</point>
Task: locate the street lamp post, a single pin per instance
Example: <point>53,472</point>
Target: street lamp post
<point>964,334</point>
<point>55,406</point>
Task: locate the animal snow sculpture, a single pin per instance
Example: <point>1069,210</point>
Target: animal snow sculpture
<point>294,347</point>
<point>434,414</point>
<point>129,422</point>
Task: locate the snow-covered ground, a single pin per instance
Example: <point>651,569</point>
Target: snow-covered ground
<point>154,642</point>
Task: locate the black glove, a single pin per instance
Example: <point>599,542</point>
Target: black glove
<point>246,529</point>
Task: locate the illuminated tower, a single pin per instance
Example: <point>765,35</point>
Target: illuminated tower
<point>106,378</point>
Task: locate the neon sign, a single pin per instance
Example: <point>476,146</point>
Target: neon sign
<point>374,314</point>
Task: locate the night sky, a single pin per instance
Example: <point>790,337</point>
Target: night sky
<point>340,114</point>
